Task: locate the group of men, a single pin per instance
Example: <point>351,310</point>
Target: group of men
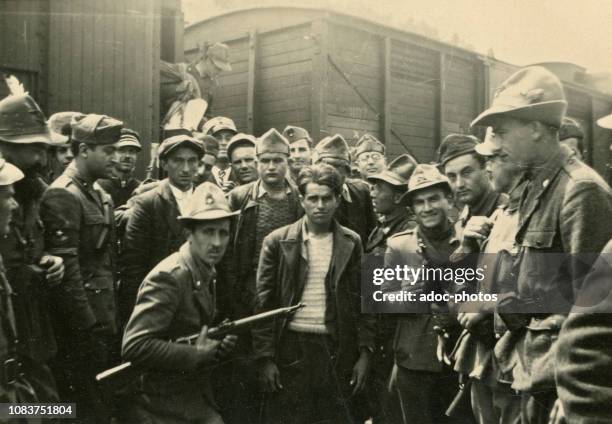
<point>99,267</point>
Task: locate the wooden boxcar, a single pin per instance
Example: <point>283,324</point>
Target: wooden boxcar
<point>333,73</point>
<point>92,56</point>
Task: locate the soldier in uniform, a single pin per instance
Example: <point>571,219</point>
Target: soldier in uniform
<point>241,153</point>
<point>388,189</point>
<point>300,149</point>
<point>122,182</point>
<point>177,299</point>
<point>492,399</point>
<point>355,210</point>
<point>423,381</point>
<point>314,363</point>
<point>370,156</point>
<point>266,204</point>
<point>9,388</point>
<point>32,270</point>
<point>468,177</point>
<point>572,135</point>
<point>223,129</point>
<point>78,217</point>
<point>565,219</point>
<point>153,231</point>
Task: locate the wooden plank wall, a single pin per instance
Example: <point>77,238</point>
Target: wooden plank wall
<point>414,72</point>
<point>283,79</point>
<point>359,55</point>
<point>459,92</point>
<point>24,26</point>
<point>104,58</point>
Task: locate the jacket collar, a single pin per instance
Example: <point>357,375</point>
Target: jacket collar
<point>91,189</point>
<point>202,280</point>
<point>293,249</point>
<point>171,211</point>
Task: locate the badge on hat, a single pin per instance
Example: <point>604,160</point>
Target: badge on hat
<point>96,129</point>
<point>219,123</point>
<point>293,134</point>
<point>207,203</point>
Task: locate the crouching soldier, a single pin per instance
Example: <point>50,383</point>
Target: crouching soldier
<point>313,363</point>
<point>176,299</point>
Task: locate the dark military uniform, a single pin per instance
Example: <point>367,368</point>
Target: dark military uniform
<point>119,190</point>
<point>79,219</point>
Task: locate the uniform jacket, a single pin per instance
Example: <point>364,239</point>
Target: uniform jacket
<point>176,299</point>
<point>377,241</point>
<point>281,278</point>
<point>238,264</point>
<point>356,211</point>
<point>79,225</point>
<point>152,233</point>
<point>565,219</point>
<point>415,339</point>
<point>584,358</point>
<point>21,251</point>
<point>119,190</point>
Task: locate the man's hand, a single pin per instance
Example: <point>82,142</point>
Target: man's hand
<point>270,377</point>
<point>360,372</point>
<point>443,345</point>
<point>469,320</point>
<point>228,186</point>
<point>208,348</point>
<point>54,266</point>
<point>478,228</point>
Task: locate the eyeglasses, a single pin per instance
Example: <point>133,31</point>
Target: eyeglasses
<point>364,158</point>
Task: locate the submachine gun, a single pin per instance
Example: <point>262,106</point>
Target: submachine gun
<point>116,379</point>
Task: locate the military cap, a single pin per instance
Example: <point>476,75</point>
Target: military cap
<point>272,142</point>
<point>605,122</point>
<point>368,143</point>
<point>96,129</point>
<point>490,146</point>
<point>293,134</point>
<point>570,129</point>
<point>398,172</point>
<point>219,54</point>
<point>455,145</point>
<point>426,176</point>
<point>211,145</point>
<point>9,173</point>
<point>59,125</point>
<point>332,147</point>
<point>171,143</point>
<point>207,203</point>
<point>240,140</point>
<point>532,94</point>
<point>129,138</point>
<point>219,123</point>
<point>22,121</point>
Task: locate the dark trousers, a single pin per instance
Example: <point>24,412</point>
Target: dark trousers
<point>424,396</point>
<point>314,390</point>
<point>499,404</point>
<point>536,407</point>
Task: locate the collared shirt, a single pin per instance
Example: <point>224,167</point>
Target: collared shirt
<point>346,194</point>
<point>221,175</point>
<point>182,198</point>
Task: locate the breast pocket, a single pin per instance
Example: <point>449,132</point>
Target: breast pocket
<point>101,297</point>
<point>96,231</point>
